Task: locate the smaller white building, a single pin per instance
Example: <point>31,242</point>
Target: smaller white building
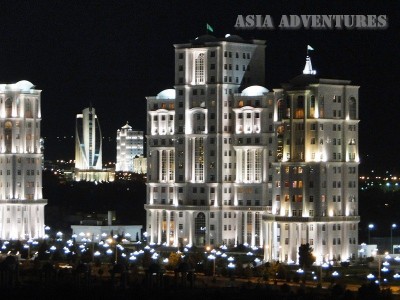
<point>129,145</point>
<point>93,233</point>
<point>365,250</point>
<point>106,175</point>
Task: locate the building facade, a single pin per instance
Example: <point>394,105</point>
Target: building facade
<point>230,162</point>
<point>129,146</point>
<point>88,141</point>
<point>140,165</point>
<point>21,199</point>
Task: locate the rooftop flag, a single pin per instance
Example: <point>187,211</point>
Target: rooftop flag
<point>209,28</point>
<point>309,47</point>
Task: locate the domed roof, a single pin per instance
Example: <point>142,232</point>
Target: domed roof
<point>24,85</point>
<point>303,80</point>
<point>254,90</point>
<point>234,38</point>
<point>205,38</point>
<point>166,94</point>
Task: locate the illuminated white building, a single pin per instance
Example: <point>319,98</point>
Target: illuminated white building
<point>129,145</point>
<point>315,175</point>
<point>21,199</point>
<point>88,141</point>
<point>271,169</point>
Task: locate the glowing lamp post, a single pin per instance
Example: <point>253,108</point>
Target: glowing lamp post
<point>27,246</point>
<point>394,226</point>
<point>370,227</point>
<point>112,241</point>
<point>212,257</point>
<point>335,274</point>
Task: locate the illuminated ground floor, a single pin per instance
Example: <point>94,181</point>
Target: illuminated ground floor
<point>332,238</point>
<point>22,219</point>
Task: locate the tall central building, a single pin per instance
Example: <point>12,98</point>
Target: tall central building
<point>21,199</point>
<point>88,141</point>
<point>230,162</point>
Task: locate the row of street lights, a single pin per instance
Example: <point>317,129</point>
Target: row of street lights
<point>372,226</point>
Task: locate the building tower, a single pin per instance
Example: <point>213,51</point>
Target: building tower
<point>230,162</point>
<point>21,202</point>
<point>88,141</point>
<point>315,199</point>
<point>129,145</point>
<point>191,155</point>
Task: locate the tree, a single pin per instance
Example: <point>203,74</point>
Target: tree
<point>173,260</point>
<point>306,258</point>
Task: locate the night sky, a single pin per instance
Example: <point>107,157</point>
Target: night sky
<point>115,53</point>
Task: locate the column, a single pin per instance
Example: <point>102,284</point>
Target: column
<point>153,229</point>
<point>261,230</point>
<point>159,165</point>
<point>245,228</point>
<point>237,227</point>
<point>253,228</point>
<point>176,229</point>
<point>159,225</point>
<point>167,235</point>
<point>239,166</point>
<point>189,217</point>
<point>253,165</point>
<point>299,231</point>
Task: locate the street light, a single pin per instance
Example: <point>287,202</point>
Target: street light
<point>212,257</point>
<point>26,246</point>
<point>370,227</point>
<point>394,226</point>
<point>113,241</point>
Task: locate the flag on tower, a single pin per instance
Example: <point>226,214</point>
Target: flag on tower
<point>309,47</point>
<point>209,28</point>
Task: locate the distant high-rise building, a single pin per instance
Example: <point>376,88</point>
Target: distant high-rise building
<point>230,162</point>
<point>88,141</point>
<point>21,202</point>
<point>129,145</point>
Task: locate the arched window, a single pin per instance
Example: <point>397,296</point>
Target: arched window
<point>249,227</point>
<point>199,69</point>
<point>281,110</point>
<point>8,136</point>
<point>312,107</point>
<point>28,108</point>
<point>18,107</point>
<point>352,108</point>
<point>37,108</point>
<point>299,112</point>
<point>8,106</point>
<point>164,227</point>
<point>200,229</point>
<point>199,159</point>
<point>321,107</point>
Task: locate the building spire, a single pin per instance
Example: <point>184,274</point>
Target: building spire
<point>308,67</point>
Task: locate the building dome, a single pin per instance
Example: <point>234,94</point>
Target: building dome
<point>234,38</point>
<point>24,85</point>
<point>205,38</point>
<point>254,90</point>
<point>166,94</point>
